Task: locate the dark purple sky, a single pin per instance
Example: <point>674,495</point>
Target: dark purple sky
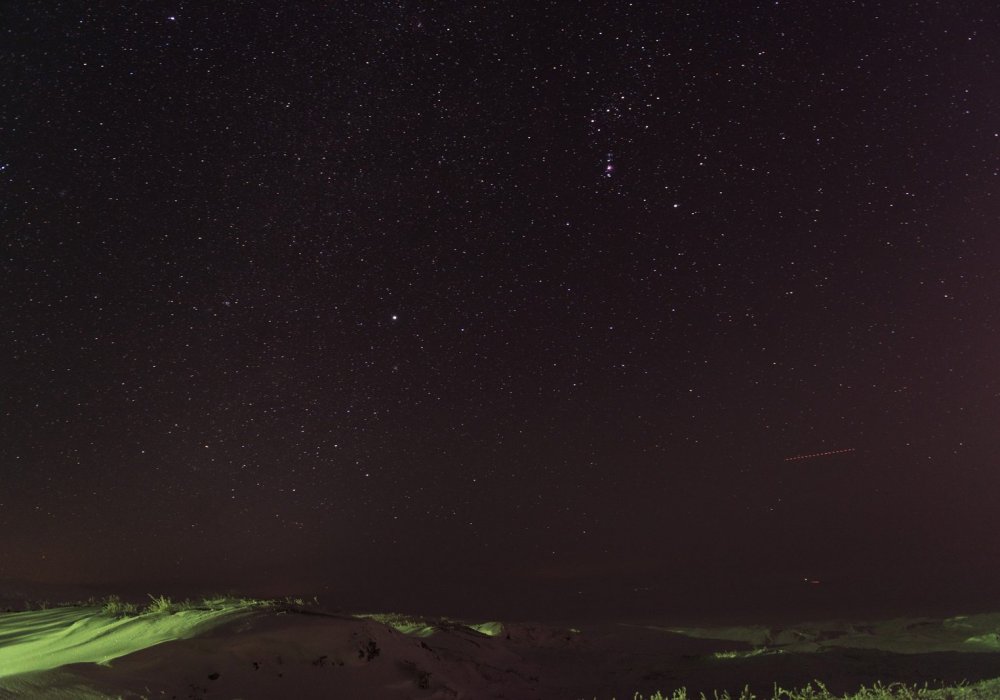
<point>490,301</point>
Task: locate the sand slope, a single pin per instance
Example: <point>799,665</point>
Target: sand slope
<point>43,639</point>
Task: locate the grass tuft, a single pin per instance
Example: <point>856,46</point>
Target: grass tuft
<point>161,604</point>
<point>116,607</point>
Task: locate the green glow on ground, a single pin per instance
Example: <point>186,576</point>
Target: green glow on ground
<point>490,629</point>
<point>762,651</point>
<point>39,640</point>
<point>420,627</point>
<point>412,626</point>
<point>753,634</point>
<point>990,640</point>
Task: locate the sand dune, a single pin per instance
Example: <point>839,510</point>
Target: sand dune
<point>241,651</point>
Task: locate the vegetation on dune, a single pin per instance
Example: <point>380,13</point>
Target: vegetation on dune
<point>984,690</point>
<point>490,629</point>
<point>413,626</point>
<point>161,605</point>
<point>423,627</point>
<point>114,606</point>
<point>759,651</point>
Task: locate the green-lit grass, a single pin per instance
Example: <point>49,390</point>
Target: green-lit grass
<point>115,607</point>
<point>163,605</point>
<point>422,627</point>
<point>490,629</point>
<point>983,690</point>
<point>413,626</point>
<point>761,651</point>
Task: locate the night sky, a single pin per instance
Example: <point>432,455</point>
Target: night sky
<point>522,304</point>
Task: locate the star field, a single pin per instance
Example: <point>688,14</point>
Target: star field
<point>525,294</point>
